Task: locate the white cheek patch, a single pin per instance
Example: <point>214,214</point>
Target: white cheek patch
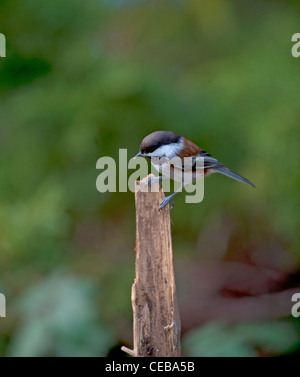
<point>169,150</point>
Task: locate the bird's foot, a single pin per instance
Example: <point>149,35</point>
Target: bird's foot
<point>165,201</point>
<point>152,180</point>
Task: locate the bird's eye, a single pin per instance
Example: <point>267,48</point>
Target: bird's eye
<point>149,150</point>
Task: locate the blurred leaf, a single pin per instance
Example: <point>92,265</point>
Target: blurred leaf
<point>59,318</point>
<point>244,340</point>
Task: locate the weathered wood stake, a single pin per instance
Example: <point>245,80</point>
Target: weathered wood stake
<point>156,321</point>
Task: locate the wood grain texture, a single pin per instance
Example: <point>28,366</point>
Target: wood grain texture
<point>156,322</point>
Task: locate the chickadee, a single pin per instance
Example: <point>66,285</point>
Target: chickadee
<point>162,146</point>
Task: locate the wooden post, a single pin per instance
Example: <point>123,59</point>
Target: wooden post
<point>156,321</point>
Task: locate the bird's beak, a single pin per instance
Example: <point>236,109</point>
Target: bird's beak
<point>138,155</point>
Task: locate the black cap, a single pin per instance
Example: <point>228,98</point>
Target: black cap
<point>157,139</point>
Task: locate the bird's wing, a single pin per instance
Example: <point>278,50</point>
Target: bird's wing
<point>192,150</point>
<point>193,163</point>
<point>209,161</point>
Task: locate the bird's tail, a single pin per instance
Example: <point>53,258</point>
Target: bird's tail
<point>231,174</point>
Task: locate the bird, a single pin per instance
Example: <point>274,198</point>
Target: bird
<point>163,146</point>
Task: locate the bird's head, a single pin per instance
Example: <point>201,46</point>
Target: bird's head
<point>160,144</point>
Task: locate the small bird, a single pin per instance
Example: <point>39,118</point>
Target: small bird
<point>162,146</point>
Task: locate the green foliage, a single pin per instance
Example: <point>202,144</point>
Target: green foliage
<point>59,318</point>
<point>245,340</point>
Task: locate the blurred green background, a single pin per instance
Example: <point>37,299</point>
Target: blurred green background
<point>84,78</point>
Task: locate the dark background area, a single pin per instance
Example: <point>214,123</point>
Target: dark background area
<point>84,78</point>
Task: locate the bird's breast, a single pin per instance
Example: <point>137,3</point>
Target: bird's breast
<point>177,174</point>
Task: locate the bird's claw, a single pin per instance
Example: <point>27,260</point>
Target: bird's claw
<point>164,202</point>
<point>149,181</point>
<point>152,180</point>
